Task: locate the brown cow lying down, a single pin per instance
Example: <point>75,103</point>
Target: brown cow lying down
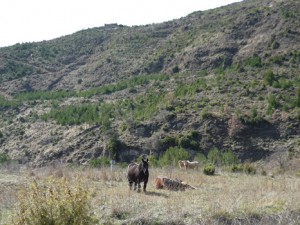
<point>163,182</point>
<point>186,164</point>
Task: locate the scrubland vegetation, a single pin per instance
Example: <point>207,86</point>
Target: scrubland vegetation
<point>221,87</point>
<point>85,195</point>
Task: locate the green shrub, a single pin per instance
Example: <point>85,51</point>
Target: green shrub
<point>99,162</point>
<point>4,158</point>
<point>247,168</point>
<point>147,105</point>
<point>269,77</point>
<point>172,156</point>
<point>275,45</point>
<point>190,89</point>
<point>285,84</point>
<point>276,84</point>
<point>253,118</point>
<point>85,113</point>
<point>169,141</point>
<point>235,168</point>
<point>214,156</point>
<point>201,158</point>
<point>254,61</point>
<point>206,112</point>
<point>193,134</point>
<point>184,142</point>
<point>123,127</point>
<point>170,108</point>
<point>4,103</point>
<point>229,158</point>
<point>278,59</point>
<point>175,69</point>
<point>273,103</point>
<point>54,202</point>
<point>153,162</point>
<point>170,116</point>
<point>115,147</point>
<point>209,169</point>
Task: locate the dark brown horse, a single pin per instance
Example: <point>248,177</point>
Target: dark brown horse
<point>137,173</point>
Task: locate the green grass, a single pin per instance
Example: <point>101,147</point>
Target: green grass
<point>101,90</point>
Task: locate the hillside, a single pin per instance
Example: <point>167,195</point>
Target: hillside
<point>226,78</point>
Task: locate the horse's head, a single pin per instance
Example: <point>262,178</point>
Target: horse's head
<point>144,165</point>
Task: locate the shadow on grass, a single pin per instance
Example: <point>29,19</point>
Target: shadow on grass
<point>153,193</point>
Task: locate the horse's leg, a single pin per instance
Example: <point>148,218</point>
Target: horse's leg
<point>130,185</point>
<point>134,186</point>
<point>139,186</point>
<point>145,185</point>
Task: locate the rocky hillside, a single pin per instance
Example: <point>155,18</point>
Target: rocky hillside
<point>226,78</point>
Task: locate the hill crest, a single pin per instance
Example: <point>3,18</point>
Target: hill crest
<point>231,74</point>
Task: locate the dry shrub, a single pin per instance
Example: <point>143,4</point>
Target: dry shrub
<point>54,201</point>
<point>104,175</point>
<point>7,197</point>
<point>56,170</point>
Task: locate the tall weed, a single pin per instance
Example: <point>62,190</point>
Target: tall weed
<point>54,202</point>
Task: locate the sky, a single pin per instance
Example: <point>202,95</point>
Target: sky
<point>37,20</point>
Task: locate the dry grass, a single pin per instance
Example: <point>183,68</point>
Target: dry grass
<point>222,199</point>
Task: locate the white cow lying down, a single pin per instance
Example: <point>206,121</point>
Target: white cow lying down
<point>186,164</point>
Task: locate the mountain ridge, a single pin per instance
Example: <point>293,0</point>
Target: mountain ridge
<point>229,73</point>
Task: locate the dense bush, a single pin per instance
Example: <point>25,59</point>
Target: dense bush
<point>229,158</point>
<point>214,156</point>
<point>247,168</point>
<point>153,162</point>
<point>54,202</point>
<point>209,169</point>
<point>14,70</point>
<point>99,162</point>
<point>172,156</point>
<point>115,147</point>
<point>4,158</point>
<point>186,142</point>
<point>201,158</point>
<point>86,113</point>
<point>235,168</point>
<point>169,141</point>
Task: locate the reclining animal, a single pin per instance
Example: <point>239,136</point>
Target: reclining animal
<point>186,164</point>
<point>163,182</point>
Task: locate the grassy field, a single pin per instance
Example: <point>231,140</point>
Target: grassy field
<point>225,198</point>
